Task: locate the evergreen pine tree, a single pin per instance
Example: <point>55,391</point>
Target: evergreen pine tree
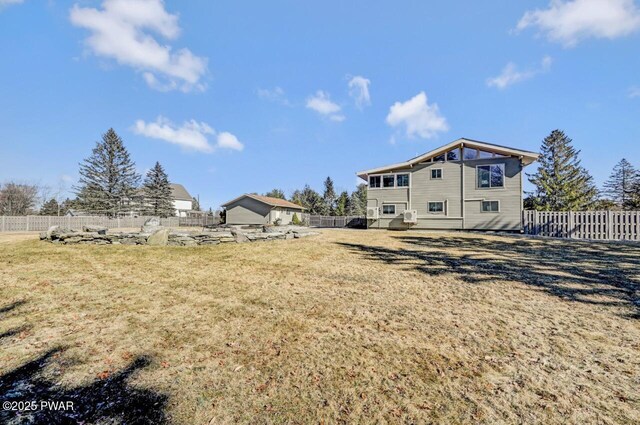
<point>342,204</point>
<point>108,177</point>
<point>195,204</point>
<point>51,207</point>
<point>157,193</point>
<point>358,202</point>
<point>276,193</point>
<point>329,197</point>
<point>621,184</point>
<point>561,183</point>
<point>310,199</point>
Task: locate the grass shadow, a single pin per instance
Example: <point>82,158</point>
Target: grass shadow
<point>595,273</point>
<point>106,401</point>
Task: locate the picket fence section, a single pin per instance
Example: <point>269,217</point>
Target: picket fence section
<point>337,221</point>
<point>32,223</point>
<point>602,225</point>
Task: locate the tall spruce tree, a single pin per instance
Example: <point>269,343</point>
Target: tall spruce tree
<point>195,204</point>
<point>310,199</point>
<point>50,207</point>
<point>329,197</point>
<point>358,203</point>
<point>108,177</point>
<point>342,204</point>
<point>276,193</point>
<point>621,184</point>
<point>157,193</point>
<point>562,184</point>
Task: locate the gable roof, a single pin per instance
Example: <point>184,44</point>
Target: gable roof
<point>274,202</point>
<point>179,193</point>
<point>527,157</point>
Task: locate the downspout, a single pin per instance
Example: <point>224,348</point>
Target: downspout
<point>462,203</point>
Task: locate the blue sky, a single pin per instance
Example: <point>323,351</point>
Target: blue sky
<point>235,97</point>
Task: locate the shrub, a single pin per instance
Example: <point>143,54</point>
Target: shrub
<point>295,220</point>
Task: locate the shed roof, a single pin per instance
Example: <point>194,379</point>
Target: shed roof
<point>274,202</point>
<point>527,157</point>
<point>178,192</point>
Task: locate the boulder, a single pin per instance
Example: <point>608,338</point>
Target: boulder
<point>151,225</point>
<point>239,236</point>
<point>158,238</point>
<point>101,230</point>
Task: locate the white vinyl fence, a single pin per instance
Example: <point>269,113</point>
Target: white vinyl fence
<point>40,223</point>
<point>605,225</point>
<point>337,221</point>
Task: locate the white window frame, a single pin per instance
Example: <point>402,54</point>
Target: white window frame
<point>504,177</point>
<point>444,207</point>
<point>403,174</point>
<point>395,181</point>
<point>489,200</point>
<point>441,174</point>
<point>389,205</point>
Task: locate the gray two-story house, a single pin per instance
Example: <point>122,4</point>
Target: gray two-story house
<point>465,184</point>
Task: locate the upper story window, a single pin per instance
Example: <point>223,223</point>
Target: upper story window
<point>389,181</point>
<point>470,153</point>
<point>490,176</point>
<point>440,157</point>
<point>402,180</point>
<point>453,155</point>
<point>436,173</point>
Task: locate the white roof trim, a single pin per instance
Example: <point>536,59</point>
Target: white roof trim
<point>526,156</point>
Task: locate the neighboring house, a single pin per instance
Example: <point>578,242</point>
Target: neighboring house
<point>256,209</point>
<point>182,200</point>
<point>465,184</point>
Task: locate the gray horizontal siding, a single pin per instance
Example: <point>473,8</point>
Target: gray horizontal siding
<point>248,211</point>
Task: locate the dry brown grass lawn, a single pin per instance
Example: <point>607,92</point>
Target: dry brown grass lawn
<point>348,326</point>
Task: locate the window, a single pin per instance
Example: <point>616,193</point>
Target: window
<point>288,212</point>
<point>388,181</point>
<point>470,153</point>
<point>490,176</point>
<point>402,180</point>
<point>374,181</point>
<point>453,155</point>
<point>438,158</point>
<point>490,206</point>
<point>435,207</point>
<point>436,173</point>
<point>388,209</point>
<point>485,155</point>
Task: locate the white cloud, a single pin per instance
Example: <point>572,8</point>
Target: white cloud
<point>634,92</point>
<point>229,141</point>
<point>419,118</point>
<point>192,135</point>
<point>276,95</point>
<point>122,31</point>
<point>322,104</point>
<point>359,90</point>
<point>511,75</point>
<point>568,22</point>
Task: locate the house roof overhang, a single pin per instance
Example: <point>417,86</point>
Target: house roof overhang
<point>526,157</point>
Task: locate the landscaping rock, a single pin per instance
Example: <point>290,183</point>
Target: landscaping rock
<point>158,238</point>
<point>151,225</point>
<point>96,229</point>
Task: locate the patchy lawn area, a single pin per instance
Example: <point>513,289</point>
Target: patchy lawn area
<point>348,326</point>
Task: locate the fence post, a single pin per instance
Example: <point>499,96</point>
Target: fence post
<point>609,224</point>
<point>3,225</point>
<point>570,229</point>
<point>28,222</point>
